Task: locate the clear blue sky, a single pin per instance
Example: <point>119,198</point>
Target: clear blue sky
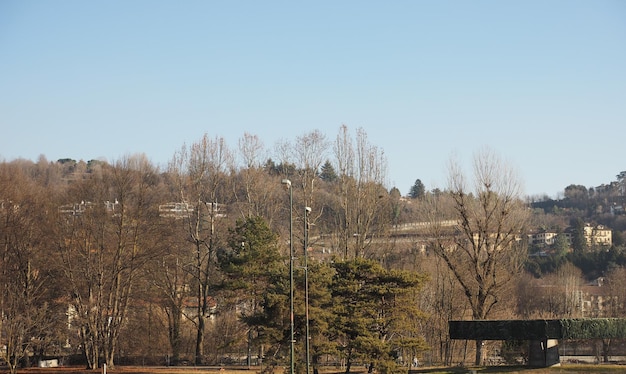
<point>541,82</point>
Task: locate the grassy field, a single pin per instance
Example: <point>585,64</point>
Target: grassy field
<point>569,368</point>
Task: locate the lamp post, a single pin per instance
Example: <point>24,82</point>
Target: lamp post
<point>287,184</point>
<point>307,210</point>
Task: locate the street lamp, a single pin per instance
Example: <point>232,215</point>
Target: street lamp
<point>307,210</point>
<point>287,184</point>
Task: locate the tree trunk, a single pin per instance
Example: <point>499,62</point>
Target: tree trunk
<point>200,340</point>
<point>348,365</point>
<point>174,318</point>
<point>348,362</point>
<point>90,349</point>
<point>606,348</point>
<point>479,352</point>
<point>109,358</point>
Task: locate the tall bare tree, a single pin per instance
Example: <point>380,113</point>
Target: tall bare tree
<point>104,242</point>
<point>170,280</point>
<point>477,232</point>
<point>362,169</point>
<point>309,152</point>
<point>201,172</point>
<point>25,304</point>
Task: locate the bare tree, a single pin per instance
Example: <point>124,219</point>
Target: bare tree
<point>251,189</point>
<point>170,281</point>
<point>104,242</point>
<point>202,174</point>
<point>478,234</point>
<point>362,169</point>
<point>613,300</point>
<point>556,295</point>
<point>25,311</point>
<point>441,300</point>
<point>310,153</point>
<point>569,279</point>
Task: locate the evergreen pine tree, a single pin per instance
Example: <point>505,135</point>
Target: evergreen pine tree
<point>417,190</point>
<point>328,173</point>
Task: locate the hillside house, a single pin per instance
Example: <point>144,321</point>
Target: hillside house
<point>598,235</point>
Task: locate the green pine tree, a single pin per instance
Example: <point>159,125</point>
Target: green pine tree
<point>371,308</point>
<point>256,276</point>
<point>328,173</point>
<point>579,242</point>
<point>417,190</point>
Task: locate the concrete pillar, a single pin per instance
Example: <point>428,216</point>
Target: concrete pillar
<point>543,353</point>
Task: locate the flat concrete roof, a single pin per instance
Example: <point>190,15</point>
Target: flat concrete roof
<point>539,329</point>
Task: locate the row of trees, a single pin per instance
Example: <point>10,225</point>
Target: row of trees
<point>90,249</point>
<point>111,276</point>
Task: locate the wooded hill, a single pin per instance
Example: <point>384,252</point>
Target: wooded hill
<point>114,279</point>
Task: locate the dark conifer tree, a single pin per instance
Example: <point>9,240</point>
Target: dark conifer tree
<point>328,173</point>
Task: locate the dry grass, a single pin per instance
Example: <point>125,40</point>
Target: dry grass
<point>566,369</point>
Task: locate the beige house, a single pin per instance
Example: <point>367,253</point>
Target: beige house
<point>598,235</point>
<point>594,235</point>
